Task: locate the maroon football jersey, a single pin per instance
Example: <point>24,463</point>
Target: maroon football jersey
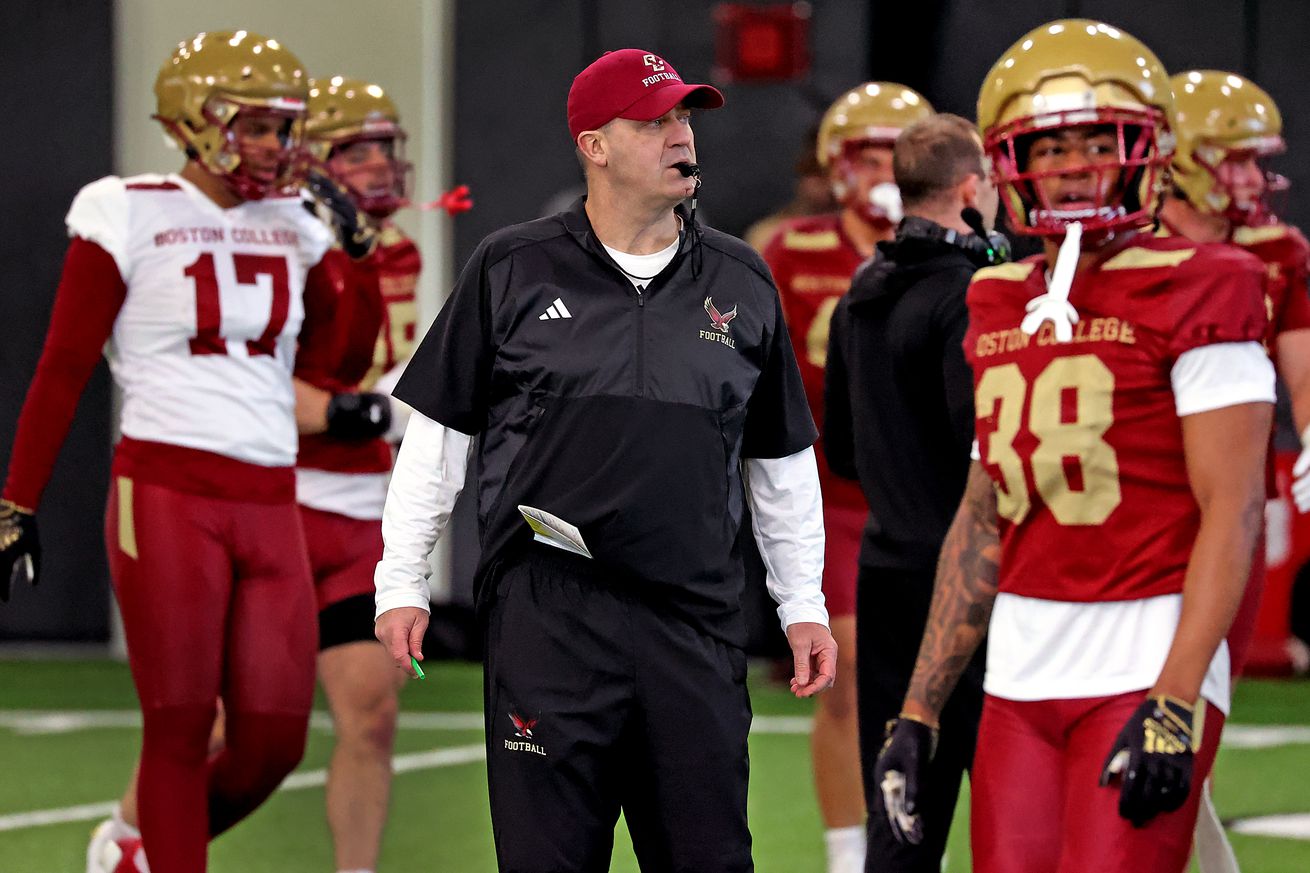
<point>1082,438</point>
<point>396,264</point>
<point>812,261</point>
<point>1286,255</point>
<point>377,320</point>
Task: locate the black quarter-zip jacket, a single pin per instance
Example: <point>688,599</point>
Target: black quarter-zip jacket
<point>623,412</point>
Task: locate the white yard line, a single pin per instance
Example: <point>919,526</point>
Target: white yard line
<point>1252,736</point>
<point>1295,826</point>
<point>429,760</point>
<point>33,722</point>
<point>85,812</point>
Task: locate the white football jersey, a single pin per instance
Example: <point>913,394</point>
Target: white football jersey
<point>204,345</point>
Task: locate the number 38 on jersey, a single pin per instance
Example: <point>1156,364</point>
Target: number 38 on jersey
<point>1050,432</point>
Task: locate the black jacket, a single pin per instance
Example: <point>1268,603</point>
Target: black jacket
<point>898,397</point>
<point>623,413</point>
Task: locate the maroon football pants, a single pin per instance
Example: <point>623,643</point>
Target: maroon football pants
<point>217,601</point>
<point>844,531</point>
<point>1037,804</point>
<point>343,555</point>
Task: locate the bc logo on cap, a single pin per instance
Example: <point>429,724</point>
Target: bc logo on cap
<point>654,62</point>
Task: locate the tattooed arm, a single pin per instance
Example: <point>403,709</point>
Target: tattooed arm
<point>1225,453</point>
<point>962,598</point>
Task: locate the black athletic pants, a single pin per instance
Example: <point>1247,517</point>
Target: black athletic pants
<point>597,700</point>
<point>891,612</point>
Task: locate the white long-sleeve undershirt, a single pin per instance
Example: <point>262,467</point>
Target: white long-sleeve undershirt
<point>787,520</point>
<point>427,479</point>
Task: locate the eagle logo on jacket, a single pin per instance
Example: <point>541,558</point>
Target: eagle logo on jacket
<point>719,320</point>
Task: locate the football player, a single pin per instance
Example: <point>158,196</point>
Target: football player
<point>201,281</point>
<point>812,260</point>
<point>355,137</point>
<point>1123,405</point>
<point>1227,127</point>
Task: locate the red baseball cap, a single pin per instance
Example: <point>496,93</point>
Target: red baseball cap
<point>631,83</point>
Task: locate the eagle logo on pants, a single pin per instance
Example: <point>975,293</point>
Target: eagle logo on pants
<point>523,727</point>
<point>720,321</point>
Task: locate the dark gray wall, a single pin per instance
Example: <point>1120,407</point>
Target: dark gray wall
<point>57,102</point>
<point>512,76</point>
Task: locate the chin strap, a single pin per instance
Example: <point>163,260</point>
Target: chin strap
<point>1054,305</point>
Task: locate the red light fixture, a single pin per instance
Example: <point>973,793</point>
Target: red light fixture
<point>761,43</point>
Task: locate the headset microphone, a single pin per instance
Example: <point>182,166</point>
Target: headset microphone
<point>998,247</point>
<point>687,168</point>
<point>983,248</point>
<point>973,218</point>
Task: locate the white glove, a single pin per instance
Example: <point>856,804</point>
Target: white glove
<point>1301,480</point>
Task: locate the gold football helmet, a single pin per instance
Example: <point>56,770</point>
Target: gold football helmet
<point>1079,73</point>
<point>874,113</point>
<point>346,111</point>
<point>213,77</point>
<point>1221,116</point>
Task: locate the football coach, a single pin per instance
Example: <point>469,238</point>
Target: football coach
<point>629,378</point>
<point>899,417</point>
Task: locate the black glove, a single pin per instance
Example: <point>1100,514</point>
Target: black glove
<point>1153,758</point>
<point>358,416</point>
<point>331,204</point>
<point>901,769</point>
<point>20,550</point>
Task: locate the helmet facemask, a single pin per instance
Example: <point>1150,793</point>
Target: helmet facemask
<point>880,207</point>
<point>216,146</point>
<point>1225,197</point>
<point>377,201</point>
<point>1126,188</point>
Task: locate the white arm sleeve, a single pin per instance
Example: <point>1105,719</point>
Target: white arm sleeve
<point>787,520</point>
<point>428,476</point>
<point>1224,374</point>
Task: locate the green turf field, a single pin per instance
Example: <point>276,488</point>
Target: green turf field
<point>439,820</point>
